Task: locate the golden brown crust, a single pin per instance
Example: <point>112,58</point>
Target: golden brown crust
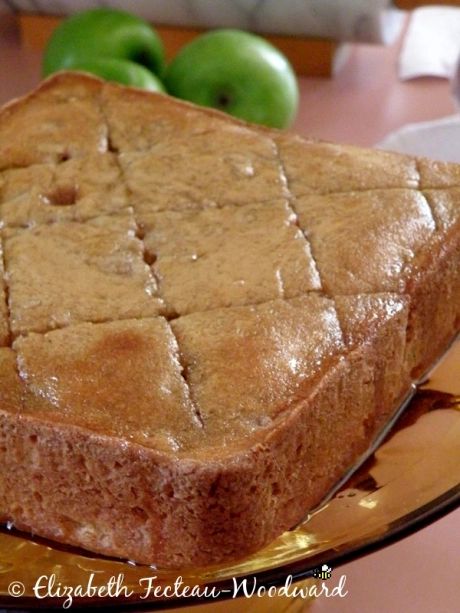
<point>37,130</point>
<point>75,190</point>
<point>200,439</point>
<point>70,272</point>
<point>322,168</point>
<point>229,256</point>
<point>435,174</point>
<point>139,121</point>
<point>226,166</point>
<point>366,241</point>
<point>288,343</point>
<point>121,378</point>
<point>434,290</point>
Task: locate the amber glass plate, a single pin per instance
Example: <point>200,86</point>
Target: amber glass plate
<point>411,478</point>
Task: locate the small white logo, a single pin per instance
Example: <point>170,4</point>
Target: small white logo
<point>325,572</point>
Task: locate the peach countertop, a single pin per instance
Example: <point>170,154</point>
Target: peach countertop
<point>362,104</point>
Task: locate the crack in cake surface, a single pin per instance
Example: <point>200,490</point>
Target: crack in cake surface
<point>88,375</point>
<point>184,370</point>
<point>139,231</point>
<point>76,190</point>
<point>71,271</point>
<point>5,314</point>
<point>291,200</point>
<point>229,256</point>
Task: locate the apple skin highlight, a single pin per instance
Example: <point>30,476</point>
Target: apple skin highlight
<point>236,72</point>
<point>103,33</point>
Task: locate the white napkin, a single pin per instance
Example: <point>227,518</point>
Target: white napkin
<point>439,139</point>
<point>432,43</point>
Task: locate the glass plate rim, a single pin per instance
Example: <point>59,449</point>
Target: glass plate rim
<point>416,520</point>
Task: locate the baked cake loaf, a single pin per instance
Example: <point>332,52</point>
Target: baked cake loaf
<point>203,324</point>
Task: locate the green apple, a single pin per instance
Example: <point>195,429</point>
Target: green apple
<point>122,71</point>
<point>103,33</point>
<point>236,72</point>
